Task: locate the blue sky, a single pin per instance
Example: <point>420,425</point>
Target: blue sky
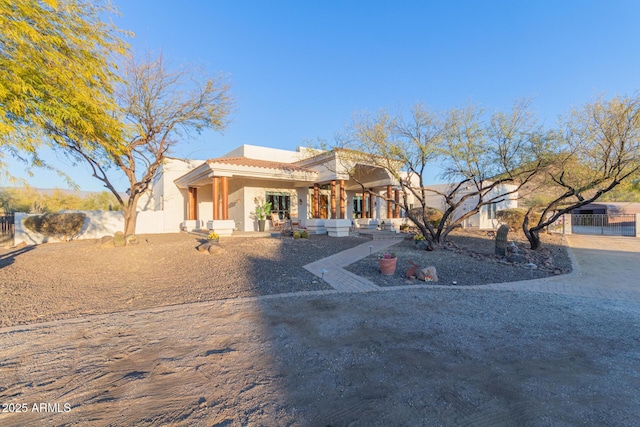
<point>300,69</point>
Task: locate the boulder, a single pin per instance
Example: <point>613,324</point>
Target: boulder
<point>131,239</point>
<point>428,274</point>
<point>516,258</point>
<point>210,246</point>
<point>424,245</point>
<point>106,242</point>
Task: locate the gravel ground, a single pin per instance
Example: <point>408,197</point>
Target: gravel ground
<point>420,357</point>
<point>429,357</point>
<point>63,280</point>
<point>468,258</point>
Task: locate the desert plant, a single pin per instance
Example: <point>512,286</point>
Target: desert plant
<point>514,218</point>
<point>262,209</point>
<point>304,234</point>
<point>387,255</point>
<point>418,237</point>
<point>433,215</point>
<point>213,236</point>
<point>296,235</point>
<point>63,226</point>
<point>119,239</point>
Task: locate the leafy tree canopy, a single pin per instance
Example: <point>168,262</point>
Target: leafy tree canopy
<point>57,63</point>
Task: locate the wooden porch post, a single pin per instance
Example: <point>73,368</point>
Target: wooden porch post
<point>215,197</point>
<point>365,204</point>
<point>225,197</point>
<point>343,199</point>
<point>333,199</point>
<point>396,212</point>
<point>192,204</point>
<point>316,200</point>
<point>370,203</point>
<point>389,204</point>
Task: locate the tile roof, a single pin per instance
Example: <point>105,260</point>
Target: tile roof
<point>266,164</point>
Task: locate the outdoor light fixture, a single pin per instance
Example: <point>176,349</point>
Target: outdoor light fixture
<point>322,272</point>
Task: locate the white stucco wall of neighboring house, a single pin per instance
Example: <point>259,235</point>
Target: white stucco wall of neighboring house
<point>481,219</point>
<point>96,225</point>
<point>167,197</point>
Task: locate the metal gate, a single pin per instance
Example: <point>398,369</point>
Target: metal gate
<point>6,228</point>
<point>604,225</point>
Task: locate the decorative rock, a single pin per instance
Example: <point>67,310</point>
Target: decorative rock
<point>21,245</point>
<point>515,258</point>
<point>428,274</point>
<point>531,266</point>
<point>131,239</point>
<point>106,242</point>
<point>501,240</point>
<point>424,245</point>
<point>118,239</point>
<point>210,246</point>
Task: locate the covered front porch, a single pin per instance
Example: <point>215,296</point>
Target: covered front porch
<point>222,194</point>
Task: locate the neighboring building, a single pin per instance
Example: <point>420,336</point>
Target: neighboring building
<point>486,218</point>
<point>221,193</point>
<point>608,208</point>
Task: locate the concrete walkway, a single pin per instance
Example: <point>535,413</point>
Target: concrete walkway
<point>332,271</point>
<point>603,267</point>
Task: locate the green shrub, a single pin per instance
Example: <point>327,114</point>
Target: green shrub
<point>304,234</point>
<point>434,216</point>
<point>296,234</point>
<point>119,240</point>
<point>514,218</point>
<point>63,226</point>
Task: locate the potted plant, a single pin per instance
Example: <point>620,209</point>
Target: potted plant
<point>262,210</point>
<point>388,262</point>
<point>213,237</point>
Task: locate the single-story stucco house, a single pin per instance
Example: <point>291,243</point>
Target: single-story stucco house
<point>221,194</point>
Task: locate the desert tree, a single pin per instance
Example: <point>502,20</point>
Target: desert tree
<point>596,149</point>
<point>160,108</point>
<point>477,155</point>
<point>57,68</point>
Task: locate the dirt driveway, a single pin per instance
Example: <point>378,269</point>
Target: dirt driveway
<point>394,357</point>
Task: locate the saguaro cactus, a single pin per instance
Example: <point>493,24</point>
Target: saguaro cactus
<point>501,240</point>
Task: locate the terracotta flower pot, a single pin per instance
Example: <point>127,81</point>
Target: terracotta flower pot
<point>388,266</point>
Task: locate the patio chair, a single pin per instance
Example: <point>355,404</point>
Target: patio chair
<point>276,222</point>
<point>295,222</point>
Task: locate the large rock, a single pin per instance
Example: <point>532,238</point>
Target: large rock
<point>210,246</point>
<point>428,274</point>
<point>424,245</point>
<point>106,242</point>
